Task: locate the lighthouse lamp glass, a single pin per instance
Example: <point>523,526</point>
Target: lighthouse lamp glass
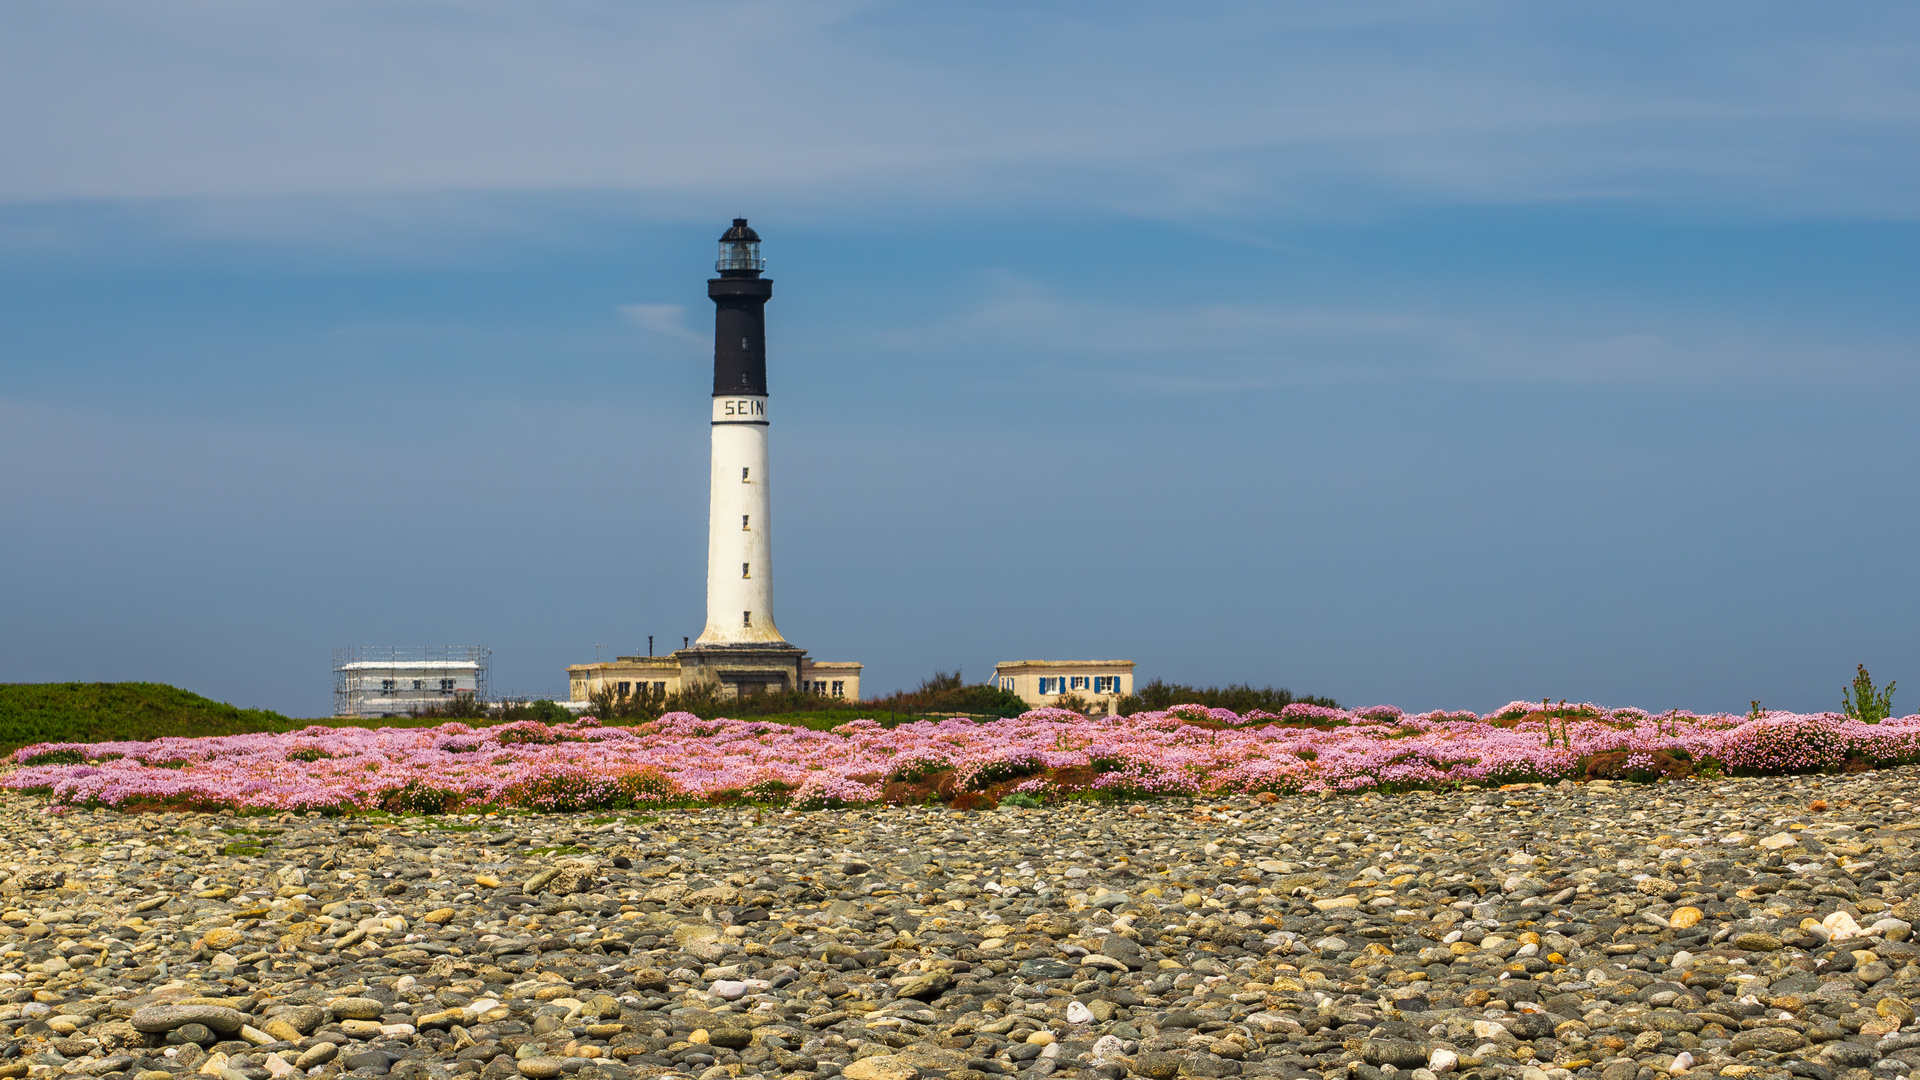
<point>740,255</point>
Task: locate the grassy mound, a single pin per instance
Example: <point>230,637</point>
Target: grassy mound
<point>112,712</point>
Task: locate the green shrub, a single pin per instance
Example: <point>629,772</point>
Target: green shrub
<point>457,707</point>
<point>1863,702</point>
<point>542,711</point>
<point>1159,696</point>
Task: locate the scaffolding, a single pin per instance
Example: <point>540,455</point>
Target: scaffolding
<point>395,680</point>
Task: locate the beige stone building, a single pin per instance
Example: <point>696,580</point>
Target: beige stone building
<point>739,675</point>
<point>1045,682</point>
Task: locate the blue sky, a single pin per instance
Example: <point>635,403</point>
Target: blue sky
<point>1435,354</point>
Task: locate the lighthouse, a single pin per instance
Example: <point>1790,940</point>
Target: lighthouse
<point>739,525</point>
<point>741,647</point>
<point>741,651</point>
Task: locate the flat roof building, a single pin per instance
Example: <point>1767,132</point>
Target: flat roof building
<point>629,676</point>
<point>399,680</point>
<point>1039,683</point>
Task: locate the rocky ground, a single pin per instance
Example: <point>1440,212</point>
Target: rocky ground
<point>1753,928</point>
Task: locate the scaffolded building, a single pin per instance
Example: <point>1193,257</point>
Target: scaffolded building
<point>400,680</point>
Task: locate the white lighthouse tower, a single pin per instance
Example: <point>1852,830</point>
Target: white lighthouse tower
<point>741,647</point>
<point>739,533</point>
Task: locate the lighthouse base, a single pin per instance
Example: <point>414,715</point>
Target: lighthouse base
<point>744,670</point>
<point>739,670</point>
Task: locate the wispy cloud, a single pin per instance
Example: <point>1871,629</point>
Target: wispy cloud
<point>667,319</point>
<point>1228,347</point>
<point>841,107</point>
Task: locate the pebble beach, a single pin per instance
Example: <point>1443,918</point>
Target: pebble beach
<point>1745,928</point>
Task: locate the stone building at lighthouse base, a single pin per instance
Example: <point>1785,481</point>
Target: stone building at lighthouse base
<point>740,671</point>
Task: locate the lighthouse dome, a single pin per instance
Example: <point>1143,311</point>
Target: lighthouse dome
<point>740,251</point>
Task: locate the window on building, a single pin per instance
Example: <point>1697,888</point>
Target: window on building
<point>1049,685</point>
<point>839,688</point>
<point>743,475</point>
<point>626,688</point>
<point>447,685</point>
<point>419,684</point>
<point>387,685</point>
<point>746,569</point>
<point>1006,682</point>
<point>743,522</point>
<point>746,618</point>
<point>1081,682</point>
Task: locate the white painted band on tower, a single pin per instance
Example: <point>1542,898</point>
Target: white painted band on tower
<point>739,529</point>
<point>742,409</point>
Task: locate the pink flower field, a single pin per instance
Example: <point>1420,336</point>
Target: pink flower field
<point>1049,753</point>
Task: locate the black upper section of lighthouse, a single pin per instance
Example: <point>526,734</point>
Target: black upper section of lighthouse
<point>739,297</point>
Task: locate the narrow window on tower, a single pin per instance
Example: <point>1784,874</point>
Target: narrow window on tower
<point>743,523</point>
<point>746,618</point>
<point>744,470</point>
<point>746,570</point>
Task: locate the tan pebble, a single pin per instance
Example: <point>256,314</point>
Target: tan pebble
<point>356,1008</point>
<point>487,881</point>
<point>1685,917</point>
<point>1041,1038</point>
<point>880,1067</point>
<point>442,915</point>
<point>317,1055</point>
<point>221,937</point>
<point>699,1036</point>
<point>1886,1025</point>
